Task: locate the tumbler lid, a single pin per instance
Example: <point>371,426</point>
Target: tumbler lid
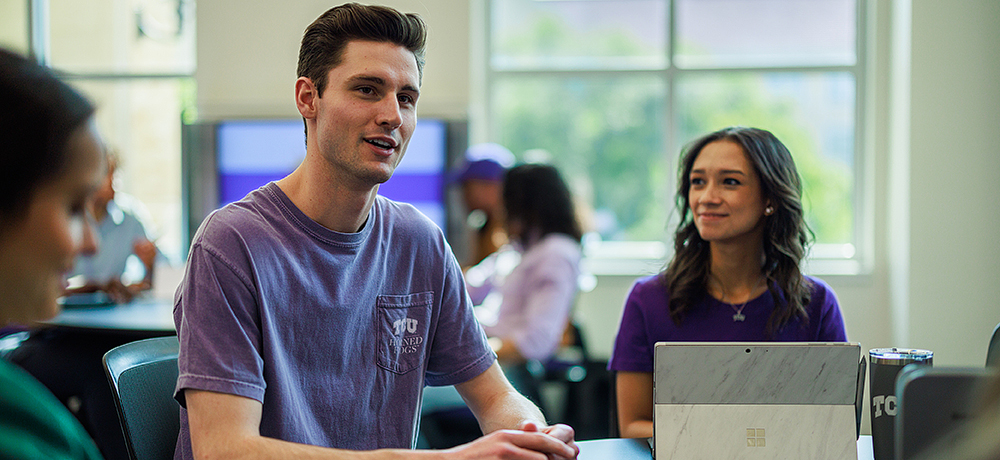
<point>899,356</point>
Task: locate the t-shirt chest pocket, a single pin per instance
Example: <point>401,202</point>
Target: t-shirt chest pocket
<point>403,322</point>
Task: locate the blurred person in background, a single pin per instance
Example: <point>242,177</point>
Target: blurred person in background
<point>480,174</point>
<point>525,294</point>
<point>123,267</point>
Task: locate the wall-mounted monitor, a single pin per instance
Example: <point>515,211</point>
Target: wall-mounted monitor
<point>251,153</point>
<point>225,160</point>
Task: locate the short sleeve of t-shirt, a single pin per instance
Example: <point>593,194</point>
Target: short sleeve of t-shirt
<point>458,336</point>
<point>633,349</point>
<point>220,319</point>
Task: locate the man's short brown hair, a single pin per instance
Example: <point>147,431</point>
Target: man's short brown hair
<point>326,38</point>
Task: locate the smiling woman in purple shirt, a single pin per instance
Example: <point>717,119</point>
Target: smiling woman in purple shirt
<point>735,273</point>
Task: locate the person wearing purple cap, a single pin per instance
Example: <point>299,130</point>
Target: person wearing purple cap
<point>481,177</point>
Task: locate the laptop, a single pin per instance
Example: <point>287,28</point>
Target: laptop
<point>935,404</point>
<point>762,400</point>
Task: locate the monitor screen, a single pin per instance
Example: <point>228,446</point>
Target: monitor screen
<point>251,153</point>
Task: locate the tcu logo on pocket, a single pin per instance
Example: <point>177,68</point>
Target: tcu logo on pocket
<point>408,325</point>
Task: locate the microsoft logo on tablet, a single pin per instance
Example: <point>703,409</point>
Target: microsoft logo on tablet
<point>755,437</point>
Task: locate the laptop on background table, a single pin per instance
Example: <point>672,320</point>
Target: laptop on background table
<point>761,400</point>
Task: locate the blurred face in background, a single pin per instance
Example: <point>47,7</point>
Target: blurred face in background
<point>38,248</point>
<point>484,195</point>
<point>106,193</point>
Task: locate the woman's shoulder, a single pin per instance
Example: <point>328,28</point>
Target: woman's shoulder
<point>557,244</point>
<point>818,287</point>
<point>15,382</point>
<point>649,287</point>
<point>656,281</point>
<point>559,239</point>
<point>822,296</point>
<point>34,421</point>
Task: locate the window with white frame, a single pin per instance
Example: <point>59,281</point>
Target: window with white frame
<point>135,59</point>
<point>610,91</point>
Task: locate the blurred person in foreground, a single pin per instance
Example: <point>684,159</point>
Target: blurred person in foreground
<point>313,312</point>
<point>735,275</point>
<point>50,166</point>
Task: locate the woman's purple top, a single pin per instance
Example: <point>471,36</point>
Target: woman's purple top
<point>646,320</point>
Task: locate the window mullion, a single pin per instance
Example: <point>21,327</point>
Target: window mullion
<point>38,31</point>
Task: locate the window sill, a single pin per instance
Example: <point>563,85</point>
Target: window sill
<point>641,258</point>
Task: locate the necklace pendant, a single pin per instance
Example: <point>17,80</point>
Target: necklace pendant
<point>739,317</point>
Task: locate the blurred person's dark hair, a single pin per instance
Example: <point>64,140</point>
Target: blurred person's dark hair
<point>536,198</point>
<point>38,113</point>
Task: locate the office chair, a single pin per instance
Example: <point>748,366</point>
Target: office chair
<point>10,342</point>
<point>993,352</point>
<point>142,375</point>
<point>613,430</point>
<point>934,404</point>
<point>566,367</point>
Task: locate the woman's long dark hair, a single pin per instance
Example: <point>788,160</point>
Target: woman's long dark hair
<point>786,234</point>
<point>536,195</point>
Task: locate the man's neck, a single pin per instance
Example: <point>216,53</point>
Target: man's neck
<point>327,200</point>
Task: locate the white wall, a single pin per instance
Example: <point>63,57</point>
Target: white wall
<point>954,194</point>
<point>248,50</point>
<point>14,26</point>
<point>934,194</point>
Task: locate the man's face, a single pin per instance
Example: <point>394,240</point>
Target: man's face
<point>367,113</point>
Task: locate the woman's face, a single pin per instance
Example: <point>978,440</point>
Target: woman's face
<point>725,194</point>
<point>38,250</point>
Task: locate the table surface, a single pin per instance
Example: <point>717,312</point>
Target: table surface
<point>142,315</point>
<point>638,449</point>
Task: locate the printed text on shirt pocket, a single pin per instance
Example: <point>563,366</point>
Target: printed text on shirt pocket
<point>403,322</point>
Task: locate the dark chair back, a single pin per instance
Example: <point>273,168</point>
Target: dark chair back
<point>142,376</point>
<point>613,430</point>
<point>935,406</point>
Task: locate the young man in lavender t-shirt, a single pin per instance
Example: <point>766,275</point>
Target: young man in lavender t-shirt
<point>313,311</point>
